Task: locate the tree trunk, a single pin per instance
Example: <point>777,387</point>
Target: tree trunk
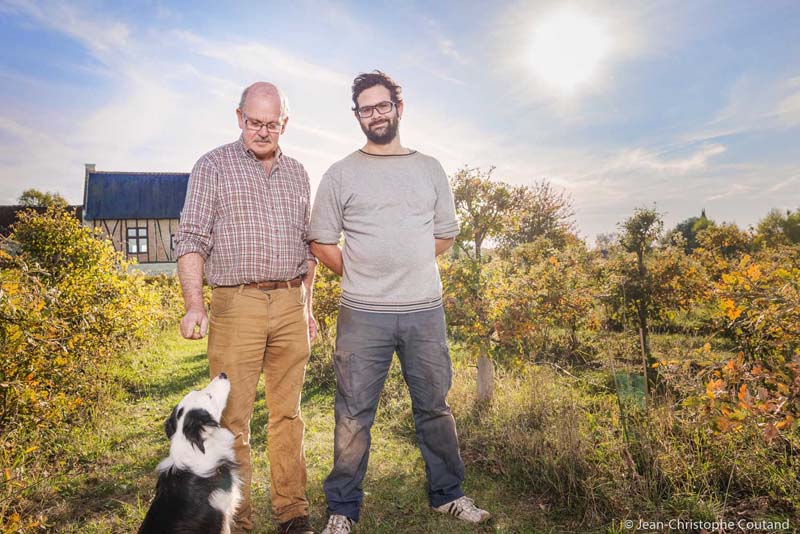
<point>485,377</point>
<point>643,309</point>
<point>573,339</point>
<point>647,368</point>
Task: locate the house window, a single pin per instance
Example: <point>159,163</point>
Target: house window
<point>137,240</point>
<point>172,242</point>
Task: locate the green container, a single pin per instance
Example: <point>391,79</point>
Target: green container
<point>630,389</point>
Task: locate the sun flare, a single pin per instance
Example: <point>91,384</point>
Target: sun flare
<point>568,48</point>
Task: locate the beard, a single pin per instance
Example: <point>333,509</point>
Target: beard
<point>388,134</point>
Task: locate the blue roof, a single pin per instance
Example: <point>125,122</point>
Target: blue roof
<point>135,195</point>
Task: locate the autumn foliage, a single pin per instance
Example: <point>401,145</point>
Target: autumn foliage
<point>67,307</point>
<point>709,312</point>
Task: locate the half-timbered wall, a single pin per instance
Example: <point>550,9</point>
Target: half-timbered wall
<point>160,237</point>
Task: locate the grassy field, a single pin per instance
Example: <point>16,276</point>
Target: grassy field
<point>549,455</point>
<point>111,490</point>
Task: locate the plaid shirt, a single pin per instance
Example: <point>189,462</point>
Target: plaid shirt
<point>247,225</point>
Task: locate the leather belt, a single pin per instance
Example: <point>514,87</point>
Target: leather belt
<point>275,284</point>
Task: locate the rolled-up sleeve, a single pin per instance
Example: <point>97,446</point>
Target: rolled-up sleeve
<point>445,223</point>
<point>326,215</point>
<point>197,216</point>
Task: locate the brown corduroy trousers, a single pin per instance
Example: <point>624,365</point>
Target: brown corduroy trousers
<point>254,330</point>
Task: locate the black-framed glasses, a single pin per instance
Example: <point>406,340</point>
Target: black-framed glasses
<point>383,108</point>
<point>255,126</point>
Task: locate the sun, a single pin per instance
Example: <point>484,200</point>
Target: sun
<point>567,49</point>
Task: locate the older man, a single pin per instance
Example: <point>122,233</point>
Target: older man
<point>244,222</point>
<point>396,210</point>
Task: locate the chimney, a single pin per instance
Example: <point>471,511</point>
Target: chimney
<point>89,168</point>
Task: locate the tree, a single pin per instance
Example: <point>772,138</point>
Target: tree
<point>539,211</point>
<point>484,207</point>
<point>777,228</point>
<point>639,233</point>
<point>720,246</point>
<point>37,199</point>
<point>545,290</point>
<point>689,230</point>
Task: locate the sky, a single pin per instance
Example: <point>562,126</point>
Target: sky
<point>685,105</point>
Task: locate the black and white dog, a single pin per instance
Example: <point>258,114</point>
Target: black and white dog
<point>198,486</point>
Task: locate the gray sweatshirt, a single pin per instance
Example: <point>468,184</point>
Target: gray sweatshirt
<point>390,209</point>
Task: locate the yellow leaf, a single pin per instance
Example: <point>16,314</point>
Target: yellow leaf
<point>722,424</point>
<point>786,422</point>
<point>711,388</point>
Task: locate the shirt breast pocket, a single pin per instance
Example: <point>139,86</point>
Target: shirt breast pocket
<point>295,209</point>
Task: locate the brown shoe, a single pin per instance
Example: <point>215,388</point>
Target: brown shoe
<point>296,525</point>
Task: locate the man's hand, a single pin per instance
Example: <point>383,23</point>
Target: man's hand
<point>312,328</point>
<point>195,317</point>
<point>190,273</point>
<point>442,245</point>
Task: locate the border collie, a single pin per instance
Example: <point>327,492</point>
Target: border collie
<point>198,485</point>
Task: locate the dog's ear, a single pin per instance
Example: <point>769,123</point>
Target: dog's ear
<point>194,423</point>
<point>171,424</point>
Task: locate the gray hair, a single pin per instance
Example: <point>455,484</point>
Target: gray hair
<point>274,88</point>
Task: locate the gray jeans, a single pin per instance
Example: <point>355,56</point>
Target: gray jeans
<point>365,345</point>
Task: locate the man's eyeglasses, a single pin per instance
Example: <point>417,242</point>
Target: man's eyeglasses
<point>255,126</point>
<point>383,108</point>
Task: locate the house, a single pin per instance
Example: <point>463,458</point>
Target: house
<point>138,212</point>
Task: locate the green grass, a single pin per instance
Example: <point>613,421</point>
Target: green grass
<point>547,456</point>
<point>111,490</point>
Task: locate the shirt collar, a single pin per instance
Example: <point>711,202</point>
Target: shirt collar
<point>249,153</point>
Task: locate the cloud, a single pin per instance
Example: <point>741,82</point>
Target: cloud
<point>135,117</point>
<point>788,109</point>
<point>733,190</point>
<point>255,59</point>
<point>448,49</point>
<point>444,44</point>
<point>30,157</point>
<point>754,105</point>
<point>783,184</point>
<point>173,94</point>
<point>631,160</point>
<point>101,36</point>
<point>324,134</point>
<point>162,109</point>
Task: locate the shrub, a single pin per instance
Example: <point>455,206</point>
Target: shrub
<point>67,305</point>
<point>327,290</point>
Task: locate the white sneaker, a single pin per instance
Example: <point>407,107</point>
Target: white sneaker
<point>338,524</point>
<point>464,508</point>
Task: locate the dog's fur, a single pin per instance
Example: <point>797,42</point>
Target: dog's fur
<point>198,487</point>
